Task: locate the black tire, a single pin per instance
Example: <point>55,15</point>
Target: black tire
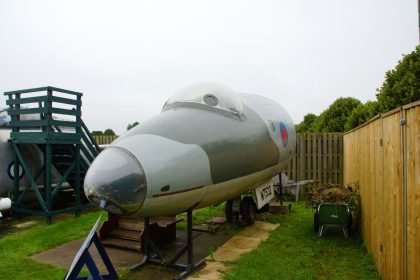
<point>248,210</point>
<point>231,217</point>
<point>316,222</point>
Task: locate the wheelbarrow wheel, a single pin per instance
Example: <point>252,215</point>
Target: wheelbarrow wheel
<point>316,222</point>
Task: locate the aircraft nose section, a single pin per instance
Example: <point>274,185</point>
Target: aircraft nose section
<point>116,182</point>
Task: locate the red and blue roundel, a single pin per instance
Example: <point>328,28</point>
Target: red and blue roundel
<point>284,135</point>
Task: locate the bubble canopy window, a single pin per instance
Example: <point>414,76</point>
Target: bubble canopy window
<point>210,96</point>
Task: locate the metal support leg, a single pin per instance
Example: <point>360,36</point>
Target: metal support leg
<point>47,179</point>
<point>187,269</point>
<point>77,186</point>
<point>146,250</point>
<point>190,267</point>
<point>280,189</point>
<point>16,163</point>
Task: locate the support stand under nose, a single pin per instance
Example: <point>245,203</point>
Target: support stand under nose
<point>158,257</point>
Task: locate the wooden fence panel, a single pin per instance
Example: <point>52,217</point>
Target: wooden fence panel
<point>318,156</point>
<point>413,192</point>
<point>392,244</point>
<point>383,156</point>
<point>105,139</point>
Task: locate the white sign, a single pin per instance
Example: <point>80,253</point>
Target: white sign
<point>264,193</point>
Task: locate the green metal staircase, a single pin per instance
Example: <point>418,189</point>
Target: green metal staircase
<point>50,118</point>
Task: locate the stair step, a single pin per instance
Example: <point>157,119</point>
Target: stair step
<point>126,234</point>
<point>130,224</point>
<point>122,243</point>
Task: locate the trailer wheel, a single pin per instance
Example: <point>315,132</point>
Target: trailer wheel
<point>231,216</point>
<point>248,210</point>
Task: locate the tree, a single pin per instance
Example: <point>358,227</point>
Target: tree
<point>97,133</point>
<point>307,125</point>
<point>402,84</point>
<point>130,126</point>
<point>361,114</point>
<point>335,117</point>
<point>109,132</point>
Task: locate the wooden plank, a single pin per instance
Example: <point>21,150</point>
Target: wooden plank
<point>122,243</point>
<point>29,123</point>
<point>66,91</point>
<point>27,100</point>
<point>324,158</point>
<point>40,134</point>
<point>377,195</point>
<point>413,192</point>
<point>26,90</point>
<point>131,224</point>
<point>314,157</point>
<point>329,158</point>
<point>126,234</point>
<point>319,156</point>
<point>308,173</point>
<point>340,158</point>
<point>64,111</point>
<point>64,123</point>
<point>392,197</point>
<point>27,111</point>
<point>301,157</point>
<point>362,163</point>
<point>65,100</point>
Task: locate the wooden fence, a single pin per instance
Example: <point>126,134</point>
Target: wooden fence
<point>105,139</point>
<point>383,156</point>
<point>318,156</point>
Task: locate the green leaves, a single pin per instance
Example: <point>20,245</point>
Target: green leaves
<point>401,86</point>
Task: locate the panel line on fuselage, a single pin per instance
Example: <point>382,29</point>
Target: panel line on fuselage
<point>177,192</point>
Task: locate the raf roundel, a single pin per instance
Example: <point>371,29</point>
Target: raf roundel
<point>283,134</point>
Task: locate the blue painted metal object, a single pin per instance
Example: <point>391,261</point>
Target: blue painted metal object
<point>83,257</point>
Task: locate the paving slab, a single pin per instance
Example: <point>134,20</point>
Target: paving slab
<point>245,241</point>
<point>25,224</point>
<point>241,242</point>
<point>254,233</point>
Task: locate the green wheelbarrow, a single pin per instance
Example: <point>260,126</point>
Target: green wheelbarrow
<point>332,215</point>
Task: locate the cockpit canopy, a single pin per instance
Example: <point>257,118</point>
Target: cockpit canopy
<point>210,96</point>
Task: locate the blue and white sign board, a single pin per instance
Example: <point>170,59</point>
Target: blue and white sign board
<point>83,257</point>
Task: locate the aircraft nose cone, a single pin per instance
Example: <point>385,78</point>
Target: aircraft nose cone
<point>116,182</point>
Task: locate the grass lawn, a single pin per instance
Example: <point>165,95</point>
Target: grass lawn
<point>294,251</point>
<point>17,246</point>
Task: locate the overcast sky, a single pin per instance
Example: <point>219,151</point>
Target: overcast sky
<point>128,57</point>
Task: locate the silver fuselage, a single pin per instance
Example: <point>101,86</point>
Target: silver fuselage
<point>191,157</point>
